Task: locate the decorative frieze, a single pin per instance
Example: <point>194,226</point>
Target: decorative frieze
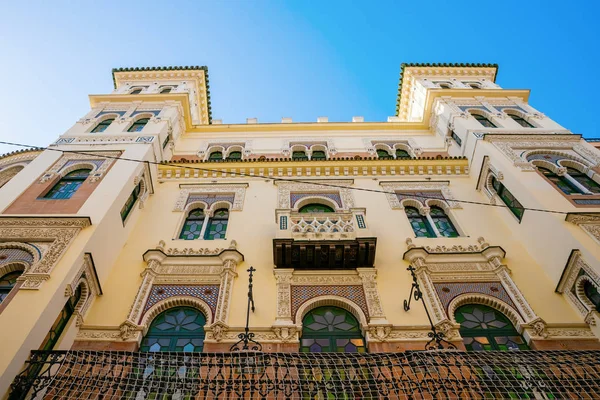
<point>231,193</point>
<point>396,192</point>
<point>291,191</point>
<point>589,222</point>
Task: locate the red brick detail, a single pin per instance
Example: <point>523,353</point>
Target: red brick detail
<point>565,344</point>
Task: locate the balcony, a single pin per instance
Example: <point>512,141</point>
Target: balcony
<point>256,375</point>
<point>341,225</point>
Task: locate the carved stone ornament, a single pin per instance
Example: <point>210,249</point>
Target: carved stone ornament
<point>317,186</point>
<point>589,222</point>
<point>576,273</point>
<point>392,188</point>
<point>410,145</point>
<point>239,191</point>
<point>488,170</point>
<point>176,267</point>
<point>99,161</point>
<point>85,278</point>
<point>57,232</point>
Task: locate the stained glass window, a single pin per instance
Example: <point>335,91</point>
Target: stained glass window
<point>235,155</point>
<point>7,282</point>
<point>511,202</point>
<point>402,154</point>
<point>442,222</point>
<point>136,91</point>
<point>484,328</point>
<point>318,155</point>
<point>128,206</point>
<point>299,156</point>
<point>383,155</point>
<point>177,329</point>
<point>419,223</point>
<point>592,293</point>
<point>192,228</point>
<point>68,185</point>
<point>215,156</point>
<point>584,180</point>
<point>559,181</point>
<point>521,121</point>
<point>331,329</point>
<point>312,208</point>
<point>61,321</point>
<point>484,121</point>
<point>138,125</point>
<point>217,225</point>
<point>101,127</point>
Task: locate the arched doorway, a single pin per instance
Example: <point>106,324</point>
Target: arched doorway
<point>176,329</point>
<point>331,329</point>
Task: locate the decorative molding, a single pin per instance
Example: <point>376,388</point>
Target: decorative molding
<point>239,191</point>
<point>284,189</point>
<point>408,144</point>
<point>589,222</point>
<point>86,278</point>
<point>99,161</point>
<point>392,188</point>
<point>58,232</point>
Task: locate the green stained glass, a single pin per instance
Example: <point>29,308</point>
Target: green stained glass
<point>299,156</point>
<point>177,329</point>
<point>383,155</point>
<point>138,125</point>
<point>442,222</point>
<point>511,202</point>
<point>484,328</point>
<point>419,223</point>
<point>318,155</point>
<point>402,154</point>
<point>484,121</point>
<point>521,121</point>
<point>7,282</point>
<point>331,329</point>
<point>235,155</point>
<point>192,228</point>
<point>215,156</point>
<point>68,185</point>
<point>101,127</point>
<point>217,225</point>
<point>559,181</point>
<point>316,208</point>
<point>584,180</point>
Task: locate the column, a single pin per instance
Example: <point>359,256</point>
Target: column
<point>430,220</point>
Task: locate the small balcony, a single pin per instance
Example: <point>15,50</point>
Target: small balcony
<point>432,374</point>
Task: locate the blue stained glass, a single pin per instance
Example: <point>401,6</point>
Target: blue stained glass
<point>138,125</point>
<point>443,222</point>
<point>193,225</point>
<point>419,223</point>
<point>68,185</point>
<point>217,225</point>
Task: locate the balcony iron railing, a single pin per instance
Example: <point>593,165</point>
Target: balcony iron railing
<point>257,375</point>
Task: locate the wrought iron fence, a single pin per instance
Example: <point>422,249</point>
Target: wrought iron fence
<point>256,375</point>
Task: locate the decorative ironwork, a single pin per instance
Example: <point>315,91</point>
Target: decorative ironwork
<point>437,341</point>
<point>412,374</point>
<point>247,342</point>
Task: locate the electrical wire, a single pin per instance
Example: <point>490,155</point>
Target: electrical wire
<point>277,179</point>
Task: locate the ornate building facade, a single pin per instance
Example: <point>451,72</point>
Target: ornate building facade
<point>135,229</point>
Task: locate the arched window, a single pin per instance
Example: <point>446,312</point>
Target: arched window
<point>559,181</point>
<point>445,86</point>
<point>592,294</point>
<point>101,127</point>
<point>484,328</point>
<point>331,329</point>
<point>299,156</point>
<point>318,155</point>
<point>484,121</point>
<point>215,156</point>
<point>521,121</point>
<point>7,282</point>
<point>507,197</point>
<point>217,225</point>
<point>138,125</point>
<point>192,228</point>
<point>383,155</point>
<point>584,180</point>
<point>176,329</point>
<point>402,154</point>
<point>419,223</point>
<point>442,222</point>
<point>166,90</point>
<point>68,185</point>
<point>8,173</point>
<point>136,91</point>
<point>315,208</point>
<point>61,321</point>
<point>235,155</point>
<point>474,85</point>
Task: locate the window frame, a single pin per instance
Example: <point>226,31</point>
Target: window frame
<point>503,193</point>
<point>482,118</point>
<point>333,335</point>
<point>64,181</point>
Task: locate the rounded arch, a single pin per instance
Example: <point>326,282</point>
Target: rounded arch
<point>413,203</point>
<point>32,251</point>
<point>405,147</point>
<point>438,203</point>
<point>316,199</point>
<point>546,164</point>
<point>318,147</point>
<point>142,115</point>
<point>569,163</point>
<point>194,205</point>
<point>231,149</point>
<point>9,172</point>
<point>104,117</point>
<point>580,291</point>
<point>335,301</point>
<point>486,300</point>
<point>220,204</point>
<point>479,111</point>
<point>384,146</point>
<point>299,147</point>
<point>82,304</point>
<point>214,149</point>
<point>172,302</point>
<point>562,154</point>
<point>78,165</point>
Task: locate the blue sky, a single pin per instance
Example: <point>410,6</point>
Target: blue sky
<point>299,59</point>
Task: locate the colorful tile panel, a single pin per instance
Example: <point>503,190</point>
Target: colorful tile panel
<point>447,291</point>
<point>208,293</point>
<point>302,293</point>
